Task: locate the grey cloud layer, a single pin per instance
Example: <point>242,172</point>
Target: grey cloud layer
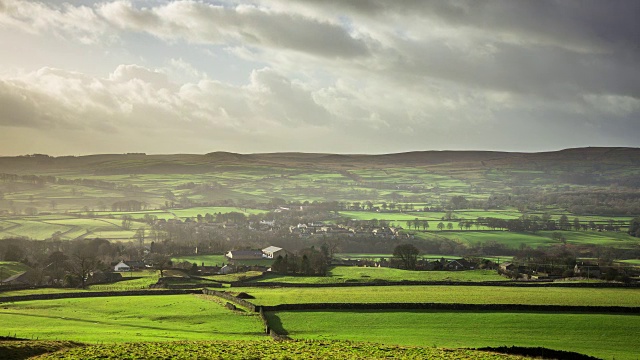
<point>415,73</point>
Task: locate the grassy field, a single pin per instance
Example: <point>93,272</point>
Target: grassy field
<point>604,336</point>
<point>541,238</point>
<point>252,350</point>
<point>448,294</point>
<point>342,274</point>
<point>235,277</point>
<point>10,268</point>
<point>635,262</point>
<point>207,260</point>
<point>129,319</point>
<point>213,260</point>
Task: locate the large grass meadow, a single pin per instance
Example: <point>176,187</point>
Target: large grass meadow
<point>600,335</point>
<point>128,319</point>
<point>350,274</point>
<point>448,294</point>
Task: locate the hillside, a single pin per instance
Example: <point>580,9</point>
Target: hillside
<point>585,158</point>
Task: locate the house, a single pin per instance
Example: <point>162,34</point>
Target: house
<point>122,267</point>
<point>244,255</point>
<point>136,264</point>
<point>227,269</point>
<point>588,270</point>
<point>272,252</point>
<point>508,266</point>
<point>459,264</point>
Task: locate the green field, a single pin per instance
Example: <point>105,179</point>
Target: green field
<point>207,260</point>
<point>10,268</point>
<point>448,294</point>
<point>129,319</point>
<point>219,260</point>
<point>252,350</point>
<point>342,274</point>
<point>604,336</point>
<point>539,239</point>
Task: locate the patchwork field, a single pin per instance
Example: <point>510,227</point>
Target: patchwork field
<point>605,336</point>
<point>345,274</point>
<point>129,319</point>
<point>10,268</point>
<point>448,294</point>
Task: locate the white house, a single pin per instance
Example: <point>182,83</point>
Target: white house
<point>122,267</point>
<point>272,252</point>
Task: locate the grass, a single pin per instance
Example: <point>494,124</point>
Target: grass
<point>235,277</point>
<point>605,336</point>
<point>10,268</point>
<point>266,350</point>
<point>448,294</point>
<point>342,274</point>
<point>635,262</point>
<point>129,319</point>
<point>219,260</point>
<point>207,260</point>
<point>193,212</point>
<point>133,284</point>
<point>40,291</point>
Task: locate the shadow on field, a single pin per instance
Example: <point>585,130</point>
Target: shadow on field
<point>275,323</point>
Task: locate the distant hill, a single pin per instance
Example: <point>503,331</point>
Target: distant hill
<point>591,158</point>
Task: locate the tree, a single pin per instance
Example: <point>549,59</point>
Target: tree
<point>449,226</point>
<point>564,223</point>
<point>559,237</point>
<point>576,224</point>
<point>126,222</point>
<point>82,262</point>
<point>425,224</point>
<point>161,262</point>
<point>634,227</point>
<point>140,235</point>
<point>408,254</point>
<point>440,226</point>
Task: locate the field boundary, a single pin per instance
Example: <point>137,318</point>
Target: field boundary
<point>252,307</point>
<point>445,283</point>
<point>452,306</point>
<point>90,294</point>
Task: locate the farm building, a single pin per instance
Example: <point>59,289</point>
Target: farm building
<point>587,270</point>
<point>122,267</point>
<point>244,255</point>
<point>459,264</point>
<point>227,269</point>
<point>272,252</point>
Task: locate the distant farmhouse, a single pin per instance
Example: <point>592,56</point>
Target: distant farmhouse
<point>122,267</point>
<point>129,266</point>
<point>272,252</point>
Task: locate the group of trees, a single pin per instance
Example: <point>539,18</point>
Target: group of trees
<point>307,262</point>
<point>72,263</point>
<point>634,227</point>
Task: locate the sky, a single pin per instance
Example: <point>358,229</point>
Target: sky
<point>333,76</point>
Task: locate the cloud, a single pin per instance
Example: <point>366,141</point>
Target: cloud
<point>349,75</point>
<point>214,24</point>
<point>79,22</point>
